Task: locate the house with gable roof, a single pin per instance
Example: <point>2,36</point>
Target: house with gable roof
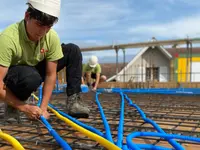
<point>151,63</point>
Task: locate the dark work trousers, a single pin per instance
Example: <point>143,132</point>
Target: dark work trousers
<point>93,75</point>
<point>22,80</point>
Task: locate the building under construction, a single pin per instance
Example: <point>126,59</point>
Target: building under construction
<point>151,103</point>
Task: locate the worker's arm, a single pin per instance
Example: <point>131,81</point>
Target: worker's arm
<point>49,83</point>
<point>98,74</point>
<point>88,78</point>
<point>7,96</point>
<point>96,81</point>
<point>82,80</point>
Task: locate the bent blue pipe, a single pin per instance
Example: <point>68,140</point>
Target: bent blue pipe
<point>60,88</point>
<point>171,141</point>
<point>146,147</point>
<point>69,117</point>
<point>121,123</point>
<point>40,96</point>
<point>106,125</point>
<point>58,139</point>
<point>152,147</point>
<point>143,114</point>
<point>124,147</point>
<point>56,136</point>
<point>161,135</point>
<point>77,122</point>
<point>174,91</point>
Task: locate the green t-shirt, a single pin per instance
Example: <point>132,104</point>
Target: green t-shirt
<point>17,49</point>
<point>87,68</point>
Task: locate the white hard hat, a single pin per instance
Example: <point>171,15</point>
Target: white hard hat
<point>50,7</point>
<point>93,61</point>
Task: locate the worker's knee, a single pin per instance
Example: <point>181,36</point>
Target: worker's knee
<point>103,78</point>
<point>22,81</point>
<point>71,48</point>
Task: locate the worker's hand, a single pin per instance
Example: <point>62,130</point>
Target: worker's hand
<point>33,112</point>
<point>94,89</point>
<point>46,114</point>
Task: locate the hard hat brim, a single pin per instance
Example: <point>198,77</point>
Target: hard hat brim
<point>93,65</point>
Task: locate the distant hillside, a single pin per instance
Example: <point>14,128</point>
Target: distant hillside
<point>109,69</point>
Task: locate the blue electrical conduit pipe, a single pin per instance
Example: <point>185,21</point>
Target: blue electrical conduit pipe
<point>152,147</point>
<point>58,139</point>
<point>40,96</point>
<point>146,147</point>
<point>124,147</point>
<point>155,134</point>
<point>106,125</point>
<point>77,122</point>
<point>121,123</point>
<point>60,88</point>
<point>69,117</point>
<point>171,141</point>
<point>175,91</point>
<point>56,136</point>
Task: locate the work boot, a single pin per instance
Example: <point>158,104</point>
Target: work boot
<point>76,107</point>
<point>11,114</point>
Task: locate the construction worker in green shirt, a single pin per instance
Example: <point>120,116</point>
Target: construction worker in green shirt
<point>31,53</point>
<point>92,70</point>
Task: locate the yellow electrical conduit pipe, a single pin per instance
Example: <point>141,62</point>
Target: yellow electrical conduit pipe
<point>107,144</point>
<point>11,140</point>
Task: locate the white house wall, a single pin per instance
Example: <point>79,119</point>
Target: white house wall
<point>155,58</point>
<point>195,71</point>
<point>152,57</point>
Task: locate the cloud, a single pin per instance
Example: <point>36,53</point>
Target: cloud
<point>187,2</point>
<point>103,22</point>
<point>181,28</point>
<point>179,2</point>
<point>91,15</point>
<point>92,19</point>
<point>11,11</point>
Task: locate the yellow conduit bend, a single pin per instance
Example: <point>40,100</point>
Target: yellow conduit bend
<point>11,140</point>
<point>107,144</point>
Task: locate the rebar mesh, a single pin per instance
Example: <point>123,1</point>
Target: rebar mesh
<point>174,114</point>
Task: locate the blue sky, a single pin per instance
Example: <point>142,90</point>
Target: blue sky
<point>105,22</point>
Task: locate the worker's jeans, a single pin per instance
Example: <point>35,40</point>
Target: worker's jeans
<point>22,80</point>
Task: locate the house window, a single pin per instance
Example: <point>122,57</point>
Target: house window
<point>152,73</point>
